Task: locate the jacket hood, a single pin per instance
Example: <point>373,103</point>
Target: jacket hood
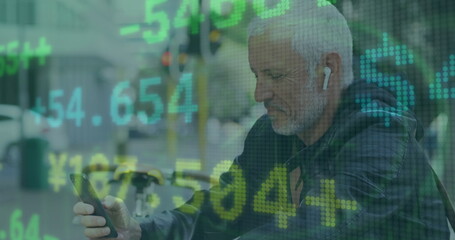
<point>368,102</point>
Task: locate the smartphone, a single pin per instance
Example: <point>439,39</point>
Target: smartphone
<point>88,195</point>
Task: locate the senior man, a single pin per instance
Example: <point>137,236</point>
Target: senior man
<point>318,165</point>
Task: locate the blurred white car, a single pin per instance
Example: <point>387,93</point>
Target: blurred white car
<point>10,132</point>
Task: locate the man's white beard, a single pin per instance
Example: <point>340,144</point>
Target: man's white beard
<point>313,106</point>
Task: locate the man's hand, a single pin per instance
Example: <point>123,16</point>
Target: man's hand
<point>126,226</point>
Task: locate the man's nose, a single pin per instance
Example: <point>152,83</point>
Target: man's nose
<point>263,91</point>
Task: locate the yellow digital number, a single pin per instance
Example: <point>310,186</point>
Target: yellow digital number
<point>130,163</point>
<point>57,176</point>
<point>219,169</point>
<point>238,188</point>
<point>180,166</point>
<point>280,206</point>
<point>102,177</point>
<point>154,200</point>
<point>76,164</point>
<point>329,203</point>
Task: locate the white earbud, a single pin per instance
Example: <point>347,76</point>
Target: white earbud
<point>327,72</point>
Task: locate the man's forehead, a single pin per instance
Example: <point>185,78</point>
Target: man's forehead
<point>269,43</point>
<point>275,34</point>
<point>272,52</point>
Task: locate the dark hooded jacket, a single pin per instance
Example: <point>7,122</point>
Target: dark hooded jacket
<point>366,178</point>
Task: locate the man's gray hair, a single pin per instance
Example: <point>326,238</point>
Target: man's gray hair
<point>315,30</point>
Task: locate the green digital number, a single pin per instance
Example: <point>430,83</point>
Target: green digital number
<point>26,55</point>
<point>155,99</point>
<point>280,206</point>
<point>437,90</point>
<point>47,237</point>
<point>323,3</point>
<point>43,51</point>
<point>185,85</point>
<point>194,18</point>
<point>12,58</point>
<point>39,110</point>
<point>161,18</point>
<point>238,188</point>
<point>263,12</point>
<point>238,8</point>
<point>16,228</point>
<point>118,100</point>
<point>32,230</point>
<point>2,61</point>
<point>400,87</point>
<point>57,119</point>
<point>74,110</point>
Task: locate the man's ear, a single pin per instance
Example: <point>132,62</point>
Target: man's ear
<point>333,62</point>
